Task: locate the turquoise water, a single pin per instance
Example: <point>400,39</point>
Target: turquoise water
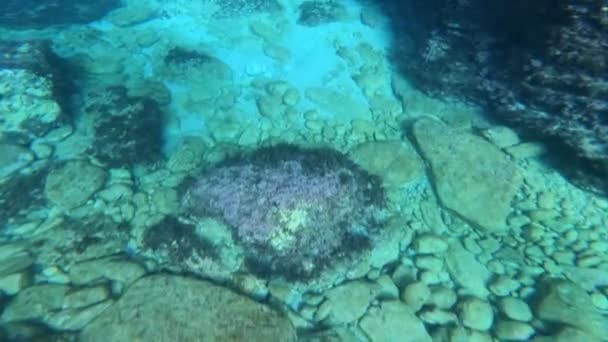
<point>278,171</point>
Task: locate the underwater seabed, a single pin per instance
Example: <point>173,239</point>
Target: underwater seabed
<point>166,185</point>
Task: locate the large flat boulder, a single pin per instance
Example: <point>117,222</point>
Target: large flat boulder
<point>471,176</point>
<point>173,308</point>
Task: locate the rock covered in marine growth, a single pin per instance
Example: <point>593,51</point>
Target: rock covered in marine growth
<point>539,67</point>
<point>292,209</point>
<point>127,130</point>
<point>40,14</point>
<point>30,90</point>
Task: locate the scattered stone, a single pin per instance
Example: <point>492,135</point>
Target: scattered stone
<point>507,330</point>
<point>387,290</point>
<point>76,318</point>
<point>443,297</point>
<point>466,271</point>
<point>427,262</point>
<point>13,158</point>
<point>587,278</point>
<point>13,283</point>
<point>35,302</point>
<point>416,295</point>
<point>476,314</point>
<point>395,162</point>
<point>349,301</point>
<point>73,183</point>
<point>515,309</point>
<point>171,308</point>
<point>471,176</point>
<point>390,321</point>
<point>86,296</point>
<point>438,317</point>
<point>501,136</point>
<point>526,150</point>
<point>120,270</point>
<point>599,300</point>
<point>14,258</point>
<point>504,286</point>
<point>566,303</point>
<point>430,244</point>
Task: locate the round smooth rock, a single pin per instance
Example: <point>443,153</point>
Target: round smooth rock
<point>416,295</point>
<point>476,314</point>
<point>516,309</point>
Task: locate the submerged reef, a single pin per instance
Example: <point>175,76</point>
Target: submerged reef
<point>292,209</point>
<point>539,66</point>
<point>41,14</point>
<point>126,129</point>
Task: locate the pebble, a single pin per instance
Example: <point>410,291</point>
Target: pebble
<point>564,257</point>
<point>496,267</point>
<point>476,314</point>
<point>430,278</point>
<point>427,262</point>
<point>503,286</point>
<point>430,244</point>
<point>438,317</point>
<point>599,246</point>
<point>443,297</point>
<point>599,300</point>
<point>387,290</point>
<point>515,309</point>
<point>416,295</point>
<point>13,283</point>
<point>546,200</point>
<point>403,275</point>
<point>507,330</point>
<point>588,261</point>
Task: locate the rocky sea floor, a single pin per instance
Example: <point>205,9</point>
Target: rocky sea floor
<point>484,241</point>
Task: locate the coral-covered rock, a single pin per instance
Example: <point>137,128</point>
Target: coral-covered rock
<point>127,130</point>
<point>292,209</point>
<point>40,14</point>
